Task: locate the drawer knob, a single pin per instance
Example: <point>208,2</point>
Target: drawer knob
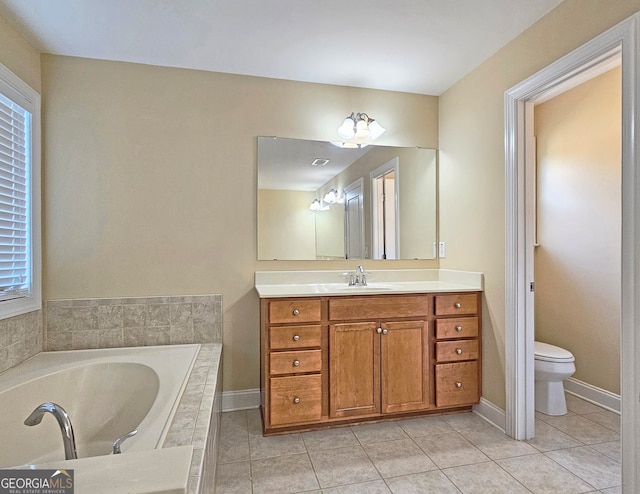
<point>379,330</point>
<point>458,328</point>
<point>385,331</point>
<point>296,337</point>
<point>296,312</point>
<point>459,351</point>
<point>296,400</point>
<point>457,305</point>
<point>458,384</point>
<point>296,363</point>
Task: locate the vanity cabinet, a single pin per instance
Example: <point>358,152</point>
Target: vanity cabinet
<point>457,349</point>
<point>293,362</point>
<point>380,365</point>
<point>350,359</point>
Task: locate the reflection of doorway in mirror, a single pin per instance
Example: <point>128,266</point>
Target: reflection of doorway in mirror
<point>354,220</point>
<point>385,223</point>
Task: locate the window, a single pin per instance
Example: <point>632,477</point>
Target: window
<point>20,273</point>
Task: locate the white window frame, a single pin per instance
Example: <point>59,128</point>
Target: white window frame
<point>14,88</point>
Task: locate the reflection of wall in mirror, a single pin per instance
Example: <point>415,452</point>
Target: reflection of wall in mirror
<point>417,196</point>
<point>417,236</point>
<point>286,225</point>
<point>330,233</point>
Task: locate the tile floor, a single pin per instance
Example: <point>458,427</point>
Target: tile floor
<point>576,453</point>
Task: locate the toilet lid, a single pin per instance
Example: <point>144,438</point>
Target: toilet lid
<point>550,353</point>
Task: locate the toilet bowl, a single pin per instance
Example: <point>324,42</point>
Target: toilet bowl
<point>552,366</point>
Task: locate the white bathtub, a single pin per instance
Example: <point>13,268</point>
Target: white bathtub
<point>106,393</point>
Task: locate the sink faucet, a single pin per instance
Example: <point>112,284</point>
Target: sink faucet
<point>363,276</point>
<point>62,417</point>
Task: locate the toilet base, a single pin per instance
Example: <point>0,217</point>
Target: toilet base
<point>550,398</point>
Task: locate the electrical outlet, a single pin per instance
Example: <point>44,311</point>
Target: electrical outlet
<point>442,250</point>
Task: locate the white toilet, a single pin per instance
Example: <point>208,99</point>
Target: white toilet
<point>552,366</point>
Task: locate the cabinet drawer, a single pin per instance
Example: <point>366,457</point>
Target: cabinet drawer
<point>457,384</point>
<point>464,327</point>
<point>294,337</point>
<point>451,351</point>
<point>282,311</point>
<point>371,307</point>
<point>294,362</point>
<point>449,305</point>
<point>295,399</point>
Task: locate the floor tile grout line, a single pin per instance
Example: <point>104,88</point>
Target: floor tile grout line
<point>572,473</point>
<point>509,473</point>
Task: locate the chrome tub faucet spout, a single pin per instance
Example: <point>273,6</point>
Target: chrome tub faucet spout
<point>64,422</point>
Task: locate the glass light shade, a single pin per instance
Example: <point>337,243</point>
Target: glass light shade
<point>362,130</point>
<point>376,130</point>
<point>331,196</point>
<point>315,205</point>
<point>346,129</point>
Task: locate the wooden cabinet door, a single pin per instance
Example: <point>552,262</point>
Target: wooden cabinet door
<point>405,366</point>
<point>354,369</point>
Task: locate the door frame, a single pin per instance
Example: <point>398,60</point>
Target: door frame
<point>519,360</point>
<point>355,185</point>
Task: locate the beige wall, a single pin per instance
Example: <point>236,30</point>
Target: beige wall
<point>150,181</point>
<point>577,264</point>
<point>287,227</point>
<point>471,168</point>
<point>18,55</point>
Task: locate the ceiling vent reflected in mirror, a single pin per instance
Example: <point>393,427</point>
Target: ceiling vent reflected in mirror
<point>319,162</point>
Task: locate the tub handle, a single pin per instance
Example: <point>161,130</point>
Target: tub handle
<point>120,440</point>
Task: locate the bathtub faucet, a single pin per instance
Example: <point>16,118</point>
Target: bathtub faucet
<point>62,417</point>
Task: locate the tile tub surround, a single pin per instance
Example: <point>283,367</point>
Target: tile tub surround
<point>20,338</point>
<point>78,324</point>
<point>197,418</point>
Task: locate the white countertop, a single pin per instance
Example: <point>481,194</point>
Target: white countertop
<point>274,284</point>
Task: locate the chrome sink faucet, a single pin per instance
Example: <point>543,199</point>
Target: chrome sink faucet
<point>64,422</point>
<point>360,277</point>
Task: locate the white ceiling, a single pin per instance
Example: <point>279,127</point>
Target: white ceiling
<point>417,46</point>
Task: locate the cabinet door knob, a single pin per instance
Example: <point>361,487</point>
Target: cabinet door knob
<point>384,331</point>
<point>379,330</point>
<point>459,351</point>
<point>296,363</point>
<point>296,312</point>
<point>458,328</point>
<point>296,400</point>
<point>296,337</point>
<point>457,305</point>
<point>458,384</point>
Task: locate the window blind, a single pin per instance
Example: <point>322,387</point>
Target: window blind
<point>15,165</point>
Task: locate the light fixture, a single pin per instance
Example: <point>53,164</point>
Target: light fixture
<point>317,205</point>
<point>360,129</point>
<point>331,196</point>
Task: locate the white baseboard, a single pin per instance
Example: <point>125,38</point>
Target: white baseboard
<point>593,394</point>
<point>240,400</point>
<point>491,413</point>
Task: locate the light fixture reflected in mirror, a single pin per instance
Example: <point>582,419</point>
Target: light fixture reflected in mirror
<point>317,205</point>
<point>359,129</point>
<point>331,196</point>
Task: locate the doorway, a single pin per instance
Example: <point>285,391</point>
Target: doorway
<point>384,217</point>
<point>519,363</point>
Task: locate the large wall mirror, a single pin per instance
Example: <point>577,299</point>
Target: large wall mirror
<point>319,201</point>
